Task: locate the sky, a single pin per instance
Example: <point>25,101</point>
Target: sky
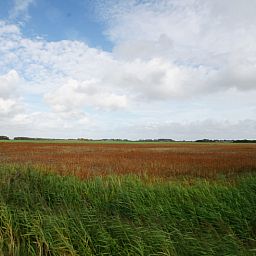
<point>134,69</point>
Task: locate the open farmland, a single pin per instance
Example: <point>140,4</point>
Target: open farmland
<point>163,160</point>
<point>127,199</point>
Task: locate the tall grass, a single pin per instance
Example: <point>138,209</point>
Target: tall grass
<point>46,214</point>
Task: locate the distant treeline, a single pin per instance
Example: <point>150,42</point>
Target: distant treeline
<point>244,141</point>
<point>157,140</point>
<point>4,138</point>
<point>230,141</point>
<point>29,138</point>
<point>208,140</point>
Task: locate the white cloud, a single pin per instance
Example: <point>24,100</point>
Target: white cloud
<point>46,124</point>
<point>6,106</point>
<point>75,95</point>
<point>20,8</point>
<point>9,84</point>
<point>8,29</point>
<point>146,74</point>
<point>10,102</point>
<point>217,36</point>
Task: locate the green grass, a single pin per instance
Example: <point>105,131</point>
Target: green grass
<point>45,214</point>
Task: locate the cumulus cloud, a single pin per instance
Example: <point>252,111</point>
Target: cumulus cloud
<point>10,102</point>
<point>150,64</point>
<point>75,95</point>
<point>218,36</point>
<point>8,83</point>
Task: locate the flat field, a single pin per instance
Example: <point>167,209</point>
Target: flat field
<point>162,160</point>
<point>176,199</point>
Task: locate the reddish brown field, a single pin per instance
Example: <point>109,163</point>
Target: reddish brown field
<point>160,160</point>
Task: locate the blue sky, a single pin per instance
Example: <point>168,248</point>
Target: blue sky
<point>60,20</point>
<point>128,69</point>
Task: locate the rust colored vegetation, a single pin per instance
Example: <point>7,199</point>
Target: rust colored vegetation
<point>164,160</point>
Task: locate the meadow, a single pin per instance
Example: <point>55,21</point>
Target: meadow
<point>127,199</point>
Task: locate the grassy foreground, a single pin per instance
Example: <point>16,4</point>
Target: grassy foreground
<point>45,214</point>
